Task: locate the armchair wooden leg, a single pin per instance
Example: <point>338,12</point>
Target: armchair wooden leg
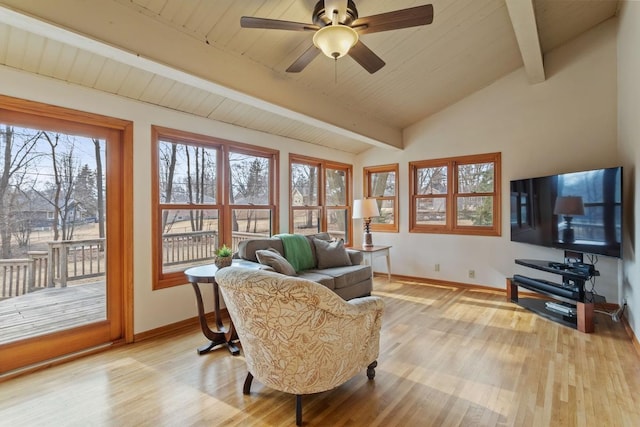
<point>247,384</point>
<point>371,370</point>
<point>298,409</point>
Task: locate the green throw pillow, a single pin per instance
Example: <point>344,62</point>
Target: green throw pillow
<point>273,259</point>
<point>331,254</point>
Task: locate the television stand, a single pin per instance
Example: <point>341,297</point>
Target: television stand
<point>566,303</point>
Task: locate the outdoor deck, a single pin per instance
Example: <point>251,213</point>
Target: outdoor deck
<point>51,309</point>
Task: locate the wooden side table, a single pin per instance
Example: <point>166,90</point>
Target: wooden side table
<point>221,335</point>
<point>371,252</point>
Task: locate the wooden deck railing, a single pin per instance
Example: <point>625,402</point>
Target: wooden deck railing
<point>181,248</point>
<point>74,260</point>
<point>193,246</point>
<point>22,275</point>
<point>238,236</point>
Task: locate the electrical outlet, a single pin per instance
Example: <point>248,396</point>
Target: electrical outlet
<point>437,267</point>
<point>472,274</point>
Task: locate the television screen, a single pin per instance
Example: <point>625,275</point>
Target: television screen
<point>579,211</point>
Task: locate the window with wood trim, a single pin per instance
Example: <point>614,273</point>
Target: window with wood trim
<point>457,195</point>
<point>320,197</point>
<point>381,183</point>
<point>207,192</point>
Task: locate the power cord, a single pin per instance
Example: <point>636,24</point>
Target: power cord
<point>590,295</point>
<point>593,260</point>
<point>617,314</point>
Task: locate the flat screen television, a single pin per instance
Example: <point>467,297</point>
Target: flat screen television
<point>578,211</point>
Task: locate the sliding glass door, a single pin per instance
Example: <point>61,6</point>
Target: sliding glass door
<point>62,217</point>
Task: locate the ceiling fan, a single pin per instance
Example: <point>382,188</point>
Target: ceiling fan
<point>337,28</point>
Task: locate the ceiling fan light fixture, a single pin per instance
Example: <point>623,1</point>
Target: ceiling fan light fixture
<point>335,40</point>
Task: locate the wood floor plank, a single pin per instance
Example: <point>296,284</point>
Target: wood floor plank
<point>449,356</point>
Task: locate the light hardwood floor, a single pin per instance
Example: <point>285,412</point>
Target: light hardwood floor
<point>449,356</point>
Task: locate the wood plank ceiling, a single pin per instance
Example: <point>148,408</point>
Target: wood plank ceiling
<point>192,56</point>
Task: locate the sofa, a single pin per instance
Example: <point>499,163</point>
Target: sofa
<point>333,266</point>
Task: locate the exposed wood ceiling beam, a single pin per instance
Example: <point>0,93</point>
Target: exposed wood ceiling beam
<point>523,19</point>
<point>109,29</point>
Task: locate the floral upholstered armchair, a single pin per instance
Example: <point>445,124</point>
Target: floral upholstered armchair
<point>298,336</point>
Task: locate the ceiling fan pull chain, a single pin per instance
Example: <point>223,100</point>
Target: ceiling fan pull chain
<point>335,70</point>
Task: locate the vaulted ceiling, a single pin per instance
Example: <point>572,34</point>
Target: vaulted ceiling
<point>193,56</point>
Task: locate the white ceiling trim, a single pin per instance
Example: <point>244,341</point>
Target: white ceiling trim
<point>523,19</point>
<point>44,29</point>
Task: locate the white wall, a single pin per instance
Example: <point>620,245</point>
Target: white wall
<point>153,309</point>
<point>564,124</point>
<point>629,144</point>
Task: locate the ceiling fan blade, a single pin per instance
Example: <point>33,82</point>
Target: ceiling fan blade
<point>403,18</point>
<point>366,58</point>
<point>304,60</point>
<point>275,24</point>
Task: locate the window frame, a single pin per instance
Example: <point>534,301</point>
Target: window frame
<point>367,172</point>
<point>224,147</point>
<point>452,194</point>
<point>324,165</point>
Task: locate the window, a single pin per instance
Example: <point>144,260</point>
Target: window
<point>207,192</point>
<point>459,195</point>
<point>381,183</point>
<point>320,197</point>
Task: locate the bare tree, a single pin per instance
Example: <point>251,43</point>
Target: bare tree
<point>336,195</point>
<point>168,158</point>
<point>432,180</point>
<point>69,207</point>
<point>250,183</point>
<point>382,185</point>
<point>305,181</point>
<point>61,192</point>
<point>21,215</point>
<point>99,189</point>
<point>187,176</point>
<point>196,185</point>
<point>16,156</point>
<point>57,184</point>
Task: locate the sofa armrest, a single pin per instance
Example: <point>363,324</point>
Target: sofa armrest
<point>355,256</point>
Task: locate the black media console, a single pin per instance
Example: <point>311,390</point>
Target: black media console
<point>568,302</point>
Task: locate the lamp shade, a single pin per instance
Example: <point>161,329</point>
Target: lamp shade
<point>365,208</point>
<point>569,205</point>
<point>335,40</point>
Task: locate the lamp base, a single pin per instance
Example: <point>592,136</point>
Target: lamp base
<point>568,235</point>
<point>368,240</point>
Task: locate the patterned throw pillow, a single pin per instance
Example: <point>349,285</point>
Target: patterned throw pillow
<point>331,254</point>
<point>273,259</point>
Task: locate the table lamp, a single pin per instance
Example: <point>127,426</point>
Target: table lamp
<point>568,206</point>
<point>366,209</point>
